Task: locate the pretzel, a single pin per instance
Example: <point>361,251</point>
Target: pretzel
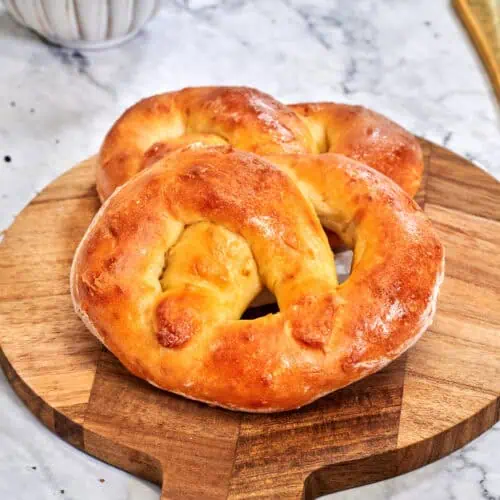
<point>253,121</point>
<point>174,257</point>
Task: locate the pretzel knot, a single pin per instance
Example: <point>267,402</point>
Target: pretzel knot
<point>174,257</point>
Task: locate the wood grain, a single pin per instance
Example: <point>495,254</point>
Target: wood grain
<point>440,395</point>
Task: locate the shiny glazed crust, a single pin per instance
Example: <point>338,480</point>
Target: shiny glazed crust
<point>175,255</point>
<point>253,121</point>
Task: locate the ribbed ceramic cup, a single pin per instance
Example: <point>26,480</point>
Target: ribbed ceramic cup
<point>83,24</point>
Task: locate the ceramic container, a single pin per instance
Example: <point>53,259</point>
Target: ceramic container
<point>83,24</point>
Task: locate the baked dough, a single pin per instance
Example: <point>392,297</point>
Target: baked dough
<point>253,121</point>
<point>174,257</point>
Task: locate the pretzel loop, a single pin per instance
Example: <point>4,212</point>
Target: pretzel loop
<point>253,121</point>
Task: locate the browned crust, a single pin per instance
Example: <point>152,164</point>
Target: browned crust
<point>368,137</point>
<point>253,121</point>
<point>325,337</point>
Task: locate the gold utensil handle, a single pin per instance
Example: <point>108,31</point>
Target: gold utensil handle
<point>481,19</point>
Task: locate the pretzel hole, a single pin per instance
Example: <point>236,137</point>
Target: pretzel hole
<point>254,312</point>
<point>265,303</point>
<point>343,264</point>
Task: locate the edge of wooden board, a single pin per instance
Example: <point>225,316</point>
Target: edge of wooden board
<point>328,479</point>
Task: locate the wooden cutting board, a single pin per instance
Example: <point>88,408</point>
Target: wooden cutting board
<point>440,395</point>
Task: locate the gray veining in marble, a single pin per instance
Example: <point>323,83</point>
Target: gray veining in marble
<point>410,60</point>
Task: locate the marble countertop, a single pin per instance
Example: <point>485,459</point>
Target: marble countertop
<point>412,63</point>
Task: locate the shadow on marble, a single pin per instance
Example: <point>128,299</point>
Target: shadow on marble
<point>471,472</point>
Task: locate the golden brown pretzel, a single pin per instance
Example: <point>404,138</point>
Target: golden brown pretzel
<point>175,255</point>
<point>253,121</point>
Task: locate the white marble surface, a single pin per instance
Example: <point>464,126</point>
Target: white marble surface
<point>409,60</point>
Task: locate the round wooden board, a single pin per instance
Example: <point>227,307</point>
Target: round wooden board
<point>440,395</point>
